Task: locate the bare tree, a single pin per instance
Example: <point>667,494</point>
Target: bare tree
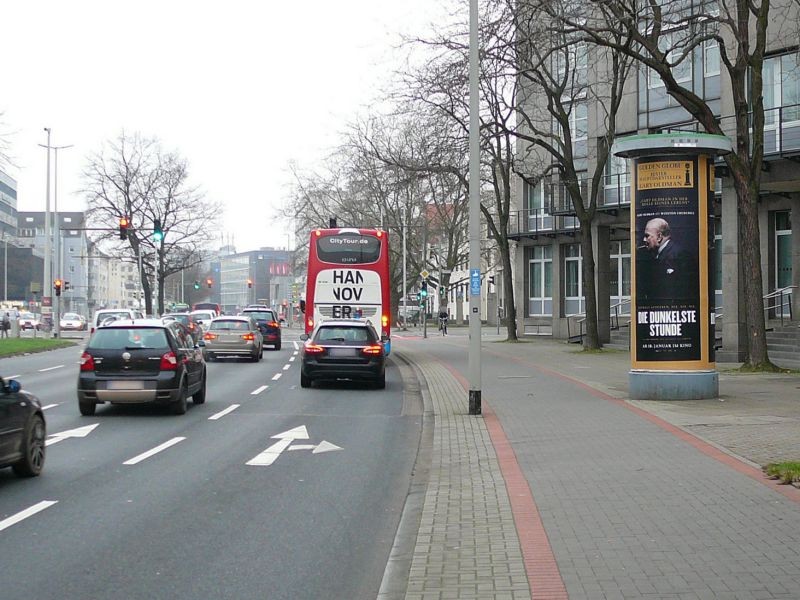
<point>555,77</point>
<point>131,177</point>
<point>663,38</point>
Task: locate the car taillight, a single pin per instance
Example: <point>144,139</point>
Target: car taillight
<point>313,349</point>
<point>169,362</point>
<point>92,331</point>
<point>248,337</point>
<point>87,362</point>
<point>374,350</point>
<point>210,336</point>
<point>273,324</point>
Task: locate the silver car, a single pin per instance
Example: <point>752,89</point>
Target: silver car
<point>233,336</point>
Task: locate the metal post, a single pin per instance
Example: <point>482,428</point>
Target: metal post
<point>424,268</point>
<point>405,276</point>
<point>48,275</point>
<point>474,218</point>
<point>57,232</point>
<point>5,269</point>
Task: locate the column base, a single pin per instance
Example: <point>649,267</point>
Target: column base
<point>673,385</point>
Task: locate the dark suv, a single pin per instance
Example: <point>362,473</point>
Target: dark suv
<point>267,323</point>
<point>343,349</point>
<point>142,361</point>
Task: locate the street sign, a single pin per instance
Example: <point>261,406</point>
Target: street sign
<point>424,274</point>
<point>474,282</point>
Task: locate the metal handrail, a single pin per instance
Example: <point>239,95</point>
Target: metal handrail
<point>580,323</point>
<point>780,293</point>
<point>616,309</point>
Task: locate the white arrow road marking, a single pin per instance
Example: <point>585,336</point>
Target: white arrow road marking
<point>49,406</point>
<point>156,450</point>
<point>276,376</point>
<point>287,367</point>
<point>80,432</point>
<point>51,368</point>
<point>271,454</point>
<point>258,390</point>
<point>222,413</point>
<point>323,446</point>
<point>22,515</point>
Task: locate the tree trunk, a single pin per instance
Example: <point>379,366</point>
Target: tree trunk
<point>750,254</point>
<point>508,287</point>
<point>591,340</point>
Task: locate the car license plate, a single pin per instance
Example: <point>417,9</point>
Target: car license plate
<point>125,385</point>
<point>343,352</point>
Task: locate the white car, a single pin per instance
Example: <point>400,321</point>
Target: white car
<point>72,322</point>
<point>107,314</point>
<point>28,320</point>
<point>203,317</point>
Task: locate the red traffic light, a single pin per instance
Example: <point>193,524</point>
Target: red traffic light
<point>209,282</point>
<point>249,283</point>
<point>124,224</point>
<point>57,285</point>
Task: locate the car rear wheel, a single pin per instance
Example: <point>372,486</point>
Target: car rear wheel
<point>305,381</point>
<point>87,408</point>
<point>32,460</point>
<point>380,382</point>
<point>261,353</point>
<point>180,405</point>
<point>200,395</point>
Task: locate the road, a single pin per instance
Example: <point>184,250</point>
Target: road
<point>136,503</point>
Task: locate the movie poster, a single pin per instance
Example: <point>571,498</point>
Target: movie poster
<point>667,307</point>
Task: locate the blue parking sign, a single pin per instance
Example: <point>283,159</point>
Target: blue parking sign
<point>474,282</point>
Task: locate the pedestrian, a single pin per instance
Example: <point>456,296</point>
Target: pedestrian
<point>6,324</point>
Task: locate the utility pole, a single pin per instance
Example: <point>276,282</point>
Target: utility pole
<point>405,276</point>
<point>59,267</point>
<point>47,290</point>
<point>474,219</point>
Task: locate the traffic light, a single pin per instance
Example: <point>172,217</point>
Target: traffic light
<point>196,284</point>
<point>209,282</point>
<point>158,233</point>
<point>250,283</point>
<point>124,224</point>
<point>424,291</point>
<point>66,286</point>
<point>491,279</point>
<point>57,285</point>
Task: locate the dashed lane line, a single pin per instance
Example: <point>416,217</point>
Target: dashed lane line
<point>222,413</point>
<point>51,368</point>
<point>257,391</point>
<point>156,450</point>
<point>287,367</point>
<point>24,514</point>
<point>276,376</point>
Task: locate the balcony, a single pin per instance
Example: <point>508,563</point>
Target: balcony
<point>533,223</point>
<point>616,194</point>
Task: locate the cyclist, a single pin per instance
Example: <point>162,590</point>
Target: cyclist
<point>443,316</point>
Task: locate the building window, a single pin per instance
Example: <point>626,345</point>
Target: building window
<point>574,303</point>
<point>718,265</point>
<point>674,43</point>
<point>710,58</point>
<point>535,204</point>
<point>540,280</point>
<point>783,250</point>
<point>616,187</point>
<point>781,103</point>
<point>620,277</point>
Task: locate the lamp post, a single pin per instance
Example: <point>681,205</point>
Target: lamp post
<point>48,276</point>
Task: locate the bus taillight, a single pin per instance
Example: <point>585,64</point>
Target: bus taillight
<point>310,322</point>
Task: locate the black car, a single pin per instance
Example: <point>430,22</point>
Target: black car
<point>267,323</point>
<point>343,349</point>
<point>141,361</point>
<point>22,430</point>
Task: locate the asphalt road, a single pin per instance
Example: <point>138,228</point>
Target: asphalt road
<point>149,505</point>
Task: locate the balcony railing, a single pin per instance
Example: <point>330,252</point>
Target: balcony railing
<point>781,129</point>
<point>538,221</point>
<point>616,193</point>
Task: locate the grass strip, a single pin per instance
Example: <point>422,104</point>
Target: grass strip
<point>17,346</point>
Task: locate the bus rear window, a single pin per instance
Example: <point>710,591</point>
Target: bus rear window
<point>348,249</point>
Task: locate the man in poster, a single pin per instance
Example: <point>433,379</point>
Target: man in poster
<point>669,267</point>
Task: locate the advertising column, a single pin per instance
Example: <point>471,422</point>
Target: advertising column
<point>672,338</point>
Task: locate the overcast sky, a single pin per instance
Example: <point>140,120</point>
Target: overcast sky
<point>239,88</point>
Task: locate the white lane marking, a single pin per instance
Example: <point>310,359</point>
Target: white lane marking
<point>156,450</point>
<point>49,406</point>
<point>11,377</point>
<point>323,446</point>
<point>222,413</point>
<point>296,346</point>
<point>287,367</point>
<point>276,376</point>
<point>80,432</point>
<point>51,368</point>
<point>291,359</point>
<point>295,353</point>
<point>259,390</point>
<point>285,439</point>
<point>22,515</point>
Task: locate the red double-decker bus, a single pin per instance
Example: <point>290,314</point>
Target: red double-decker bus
<point>348,278</point>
